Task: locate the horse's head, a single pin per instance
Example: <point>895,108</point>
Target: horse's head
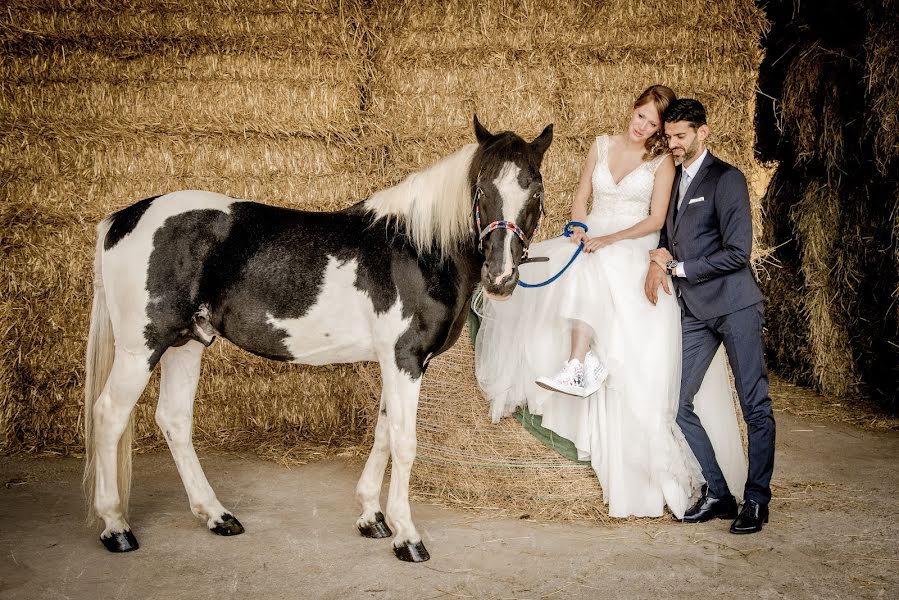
<point>507,192</point>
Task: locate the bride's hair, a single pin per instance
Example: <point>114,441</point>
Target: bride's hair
<point>661,96</point>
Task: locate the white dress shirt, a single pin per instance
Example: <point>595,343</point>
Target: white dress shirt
<point>689,173</point>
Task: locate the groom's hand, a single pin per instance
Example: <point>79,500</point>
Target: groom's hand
<point>654,277</point>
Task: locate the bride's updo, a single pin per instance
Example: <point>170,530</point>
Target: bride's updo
<point>661,96</point>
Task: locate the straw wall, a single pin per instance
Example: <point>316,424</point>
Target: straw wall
<point>309,104</point>
<point>827,114</point>
<point>103,104</point>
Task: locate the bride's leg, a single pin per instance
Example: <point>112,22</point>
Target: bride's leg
<point>594,371</point>
<point>581,337</point>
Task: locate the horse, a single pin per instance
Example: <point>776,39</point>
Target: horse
<point>388,279</point>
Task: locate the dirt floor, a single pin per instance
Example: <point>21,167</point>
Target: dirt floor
<point>834,533</point>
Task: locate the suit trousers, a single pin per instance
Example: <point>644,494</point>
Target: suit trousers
<point>741,334</point>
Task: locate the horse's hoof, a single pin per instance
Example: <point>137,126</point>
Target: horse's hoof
<point>376,530</point>
<point>228,526</point>
<point>412,552</point>
<point>120,541</point>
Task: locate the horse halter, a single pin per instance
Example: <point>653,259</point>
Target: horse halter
<point>501,224</point>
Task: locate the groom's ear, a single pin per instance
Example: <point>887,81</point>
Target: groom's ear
<point>542,142</point>
<point>703,132</point>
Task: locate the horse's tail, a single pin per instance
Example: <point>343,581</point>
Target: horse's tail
<point>98,364</point>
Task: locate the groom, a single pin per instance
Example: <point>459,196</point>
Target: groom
<point>705,246</point>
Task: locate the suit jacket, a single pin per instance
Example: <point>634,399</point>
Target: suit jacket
<point>712,236</point>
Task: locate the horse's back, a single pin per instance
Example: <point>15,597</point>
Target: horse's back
<point>289,285</point>
<point>150,213</point>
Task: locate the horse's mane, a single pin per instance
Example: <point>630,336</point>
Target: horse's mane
<point>433,205</point>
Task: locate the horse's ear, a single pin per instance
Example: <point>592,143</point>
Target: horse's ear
<point>542,142</point>
<point>481,132</point>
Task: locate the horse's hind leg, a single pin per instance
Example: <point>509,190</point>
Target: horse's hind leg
<point>112,465</point>
<point>368,491</point>
<point>174,415</point>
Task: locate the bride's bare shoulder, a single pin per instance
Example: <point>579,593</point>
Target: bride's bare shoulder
<point>606,139</point>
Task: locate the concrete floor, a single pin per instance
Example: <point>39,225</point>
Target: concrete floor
<point>834,533</point>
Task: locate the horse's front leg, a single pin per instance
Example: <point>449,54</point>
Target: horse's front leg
<point>401,392</point>
<point>368,491</point>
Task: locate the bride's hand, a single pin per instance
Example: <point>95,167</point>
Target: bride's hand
<point>594,244</point>
<point>660,256</point>
<point>578,236</point>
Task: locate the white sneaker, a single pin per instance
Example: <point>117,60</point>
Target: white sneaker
<point>595,373</point>
<point>570,380</point>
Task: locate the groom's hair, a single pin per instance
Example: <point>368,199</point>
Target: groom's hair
<point>686,109</point>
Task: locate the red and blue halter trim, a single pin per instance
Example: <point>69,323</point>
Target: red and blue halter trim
<point>509,225</point>
<point>502,224</point>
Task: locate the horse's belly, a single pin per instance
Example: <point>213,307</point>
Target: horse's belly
<point>342,325</point>
<point>322,341</point>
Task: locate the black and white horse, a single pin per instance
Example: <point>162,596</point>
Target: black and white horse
<point>388,279</point>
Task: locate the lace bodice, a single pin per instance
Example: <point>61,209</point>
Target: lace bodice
<point>631,196</point>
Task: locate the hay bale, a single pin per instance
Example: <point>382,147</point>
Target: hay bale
<point>821,125</point>
<point>882,75</point>
<point>614,30</point>
<point>88,108</point>
<point>787,328</point>
<point>408,28</point>
<point>106,173</point>
<point>817,221</point>
<point>134,29</point>
<point>438,94</point>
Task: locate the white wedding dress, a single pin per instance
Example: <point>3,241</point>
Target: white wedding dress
<point>627,429</point>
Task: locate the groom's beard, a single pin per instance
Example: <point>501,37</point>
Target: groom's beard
<point>688,153</point>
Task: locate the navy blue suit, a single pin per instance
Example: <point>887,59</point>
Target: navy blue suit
<point>720,303</point>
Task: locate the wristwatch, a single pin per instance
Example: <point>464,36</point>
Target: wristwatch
<point>670,266</point>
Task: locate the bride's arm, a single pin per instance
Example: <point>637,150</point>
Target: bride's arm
<point>658,208</point>
<point>582,196</point>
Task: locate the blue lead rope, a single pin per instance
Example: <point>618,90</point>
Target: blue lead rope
<point>567,232</point>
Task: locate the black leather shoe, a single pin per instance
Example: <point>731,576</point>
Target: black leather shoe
<point>708,508</point>
<point>751,518</point>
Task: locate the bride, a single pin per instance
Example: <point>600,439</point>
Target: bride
<point>616,394</point>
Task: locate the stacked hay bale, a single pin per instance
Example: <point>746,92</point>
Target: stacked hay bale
<point>519,66</point>
<point>107,103</point>
<point>827,114</point>
<point>316,104</point>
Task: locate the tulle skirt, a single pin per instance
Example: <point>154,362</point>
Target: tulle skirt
<point>627,429</point>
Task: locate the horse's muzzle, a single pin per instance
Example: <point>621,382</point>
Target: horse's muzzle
<point>502,289</point>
